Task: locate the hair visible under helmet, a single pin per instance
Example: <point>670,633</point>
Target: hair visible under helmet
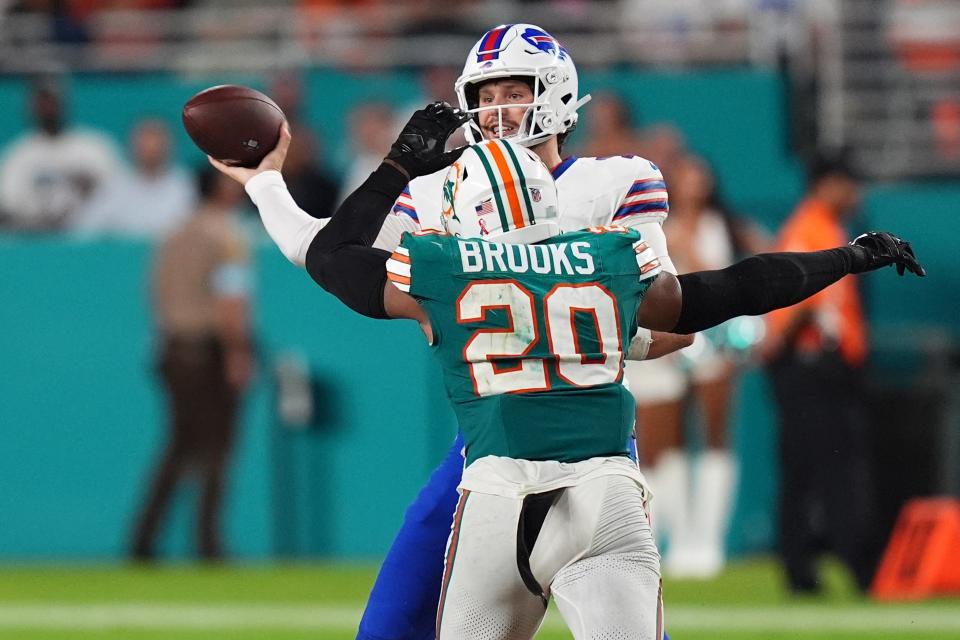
<point>529,53</point>
<point>500,191</point>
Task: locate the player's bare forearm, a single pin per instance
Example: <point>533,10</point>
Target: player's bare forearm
<point>400,305</point>
<point>663,343</point>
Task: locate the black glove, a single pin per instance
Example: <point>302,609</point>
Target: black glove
<point>419,149</point>
<point>880,249</point>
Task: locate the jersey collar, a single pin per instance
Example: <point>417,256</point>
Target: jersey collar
<point>559,170</point>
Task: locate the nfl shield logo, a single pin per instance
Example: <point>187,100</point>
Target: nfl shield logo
<point>535,194</point>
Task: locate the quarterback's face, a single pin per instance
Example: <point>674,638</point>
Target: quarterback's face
<point>505,122</point>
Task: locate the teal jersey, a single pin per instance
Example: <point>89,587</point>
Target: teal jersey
<point>531,338</point>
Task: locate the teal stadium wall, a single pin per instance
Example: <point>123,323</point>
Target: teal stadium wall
<point>81,416</point>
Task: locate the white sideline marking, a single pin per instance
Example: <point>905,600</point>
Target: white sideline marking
<point>309,617</point>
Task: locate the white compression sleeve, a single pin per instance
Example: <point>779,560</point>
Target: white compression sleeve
<point>290,227</point>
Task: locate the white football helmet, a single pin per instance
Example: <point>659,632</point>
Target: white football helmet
<point>500,190</point>
<point>526,51</point>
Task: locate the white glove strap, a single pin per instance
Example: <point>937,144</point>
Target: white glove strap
<point>640,345</point>
<point>290,227</point>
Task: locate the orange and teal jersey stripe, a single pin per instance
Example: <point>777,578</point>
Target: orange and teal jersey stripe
<point>509,185</point>
<point>398,269</point>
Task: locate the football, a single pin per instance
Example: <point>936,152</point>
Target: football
<point>234,124</point>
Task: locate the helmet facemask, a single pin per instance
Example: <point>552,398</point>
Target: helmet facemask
<point>529,54</point>
<point>528,131</point>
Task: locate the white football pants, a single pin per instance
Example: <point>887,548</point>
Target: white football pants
<point>594,554</point>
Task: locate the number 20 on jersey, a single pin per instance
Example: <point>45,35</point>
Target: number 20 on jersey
<point>523,332</point>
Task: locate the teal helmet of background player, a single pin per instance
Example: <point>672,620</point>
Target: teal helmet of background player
<point>526,52</point>
<point>498,190</point>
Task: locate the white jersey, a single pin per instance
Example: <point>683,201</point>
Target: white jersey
<point>625,190</point>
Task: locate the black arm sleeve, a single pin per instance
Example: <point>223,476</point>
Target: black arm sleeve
<point>341,259</point>
<point>757,285</point>
<point>358,220</point>
<point>355,275</point>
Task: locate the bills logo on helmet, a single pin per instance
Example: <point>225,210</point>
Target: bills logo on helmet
<point>543,41</point>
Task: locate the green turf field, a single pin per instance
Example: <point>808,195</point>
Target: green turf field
<point>325,601</point>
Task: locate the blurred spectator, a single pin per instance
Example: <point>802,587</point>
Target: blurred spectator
<point>313,188</point>
<point>695,494</point>
<point>612,131</point>
<point>437,17</point>
<point>664,145</point>
<point>371,133</point>
<point>816,351</point>
<point>68,21</point>
<point>286,89</point>
<point>436,83</point>
<point>310,184</point>
<point>150,199</point>
<point>201,287</point>
<point>925,34</point>
<point>46,174</point>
